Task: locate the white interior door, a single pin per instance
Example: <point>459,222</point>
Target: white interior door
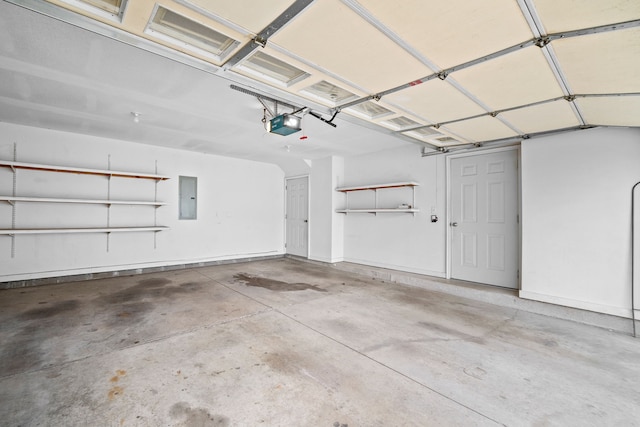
<point>483,220</point>
<point>297,216</point>
<point>188,197</point>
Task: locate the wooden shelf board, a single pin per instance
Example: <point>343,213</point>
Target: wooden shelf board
<point>79,230</point>
<point>51,168</point>
<point>393,210</point>
<point>378,186</point>
<point>80,201</point>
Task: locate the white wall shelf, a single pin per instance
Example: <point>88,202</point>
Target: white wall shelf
<point>11,199</point>
<point>108,202</point>
<point>103,172</point>
<point>410,208</point>
<point>11,232</point>
<point>378,186</point>
<point>373,211</point>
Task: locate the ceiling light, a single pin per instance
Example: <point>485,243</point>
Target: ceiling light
<point>285,124</point>
<point>136,117</point>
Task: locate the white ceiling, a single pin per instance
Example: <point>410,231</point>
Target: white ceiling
<point>74,69</point>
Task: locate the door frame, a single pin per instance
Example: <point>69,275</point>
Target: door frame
<point>286,211</point>
<point>448,242</point>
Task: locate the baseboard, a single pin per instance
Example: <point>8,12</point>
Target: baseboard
<point>582,305</point>
<point>394,267</point>
<point>326,260</point>
<point>117,271</point>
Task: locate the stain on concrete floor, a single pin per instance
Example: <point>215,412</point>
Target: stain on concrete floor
<point>196,417</point>
<point>150,288</point>
<point>274,285</point>
<point>130,305</point>
<point>23,347</point>
<point>22,351</point>
<point>27,336</point>
<point>49,310</point>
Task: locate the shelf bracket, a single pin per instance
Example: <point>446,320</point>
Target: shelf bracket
<point>13,205</point>
<point>108,197</point>
<point>375,191</point>
<point>413,206</point>
<point>13,245</point>
<point>155,211</point>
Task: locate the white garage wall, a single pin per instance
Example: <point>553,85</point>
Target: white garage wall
<point>326,227</point>
<point>240,206</point>
<point>399,241</point>
<point>576,202</point>
<point>575,211</point>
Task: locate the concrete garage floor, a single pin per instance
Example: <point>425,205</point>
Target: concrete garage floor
<point>289,343</point>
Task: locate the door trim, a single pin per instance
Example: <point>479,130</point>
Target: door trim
<point>448,204</point>
<point>286,212</point>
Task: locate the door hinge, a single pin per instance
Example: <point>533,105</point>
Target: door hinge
<point>518,218</point>
<point>518,274</point>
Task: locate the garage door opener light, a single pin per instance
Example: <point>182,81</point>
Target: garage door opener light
<point>285,124</point>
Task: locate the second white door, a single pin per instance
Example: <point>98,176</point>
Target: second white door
<point>484,236</point>
<point>297,223</point>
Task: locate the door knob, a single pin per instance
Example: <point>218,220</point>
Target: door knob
<point>454,224</point>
